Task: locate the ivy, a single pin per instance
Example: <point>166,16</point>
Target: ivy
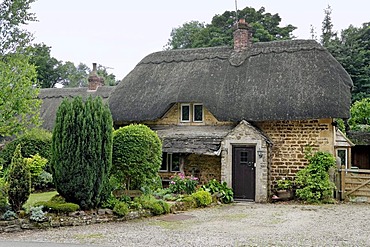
<point>313,181</point>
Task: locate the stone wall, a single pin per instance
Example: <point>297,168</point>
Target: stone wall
<point>204,167</point>
<point>290,139</point>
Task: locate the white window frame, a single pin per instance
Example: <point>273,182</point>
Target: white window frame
<point>182,120</point>
<point>346,156</point>
<point>197,121</point>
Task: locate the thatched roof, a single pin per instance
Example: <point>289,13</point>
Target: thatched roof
<point>192,139</point>
<point>282,80</point>
<point>52,98</point>
<point>359,137</point>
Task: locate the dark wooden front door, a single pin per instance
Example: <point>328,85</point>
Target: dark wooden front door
<point>244,172</point>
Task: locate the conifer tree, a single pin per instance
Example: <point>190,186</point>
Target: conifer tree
<point>82,151</point>
<point>19,180</point>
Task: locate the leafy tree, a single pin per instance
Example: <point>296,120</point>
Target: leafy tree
<point>137,156</point>
<point>19,105</point>
<point>360,115</point>
<point>82,151</point>
<point>48,68</point>
<point>265,27</point>
<point>13,15</point>
<point>19,181</point>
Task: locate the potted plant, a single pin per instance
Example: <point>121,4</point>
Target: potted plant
<point>284,189</point>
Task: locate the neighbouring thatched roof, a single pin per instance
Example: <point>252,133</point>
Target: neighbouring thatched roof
<point>52,98</point>
<point>359,137</point>
<point>281,80</point>
<point>192,139</point>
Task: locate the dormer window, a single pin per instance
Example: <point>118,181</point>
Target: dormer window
<point>192,113</point>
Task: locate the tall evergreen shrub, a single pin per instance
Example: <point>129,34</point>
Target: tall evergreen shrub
<point>19,181</point>
<point>137,156</point>
<point>82,151</point>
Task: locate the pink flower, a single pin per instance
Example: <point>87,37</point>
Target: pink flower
<point>172,182</point>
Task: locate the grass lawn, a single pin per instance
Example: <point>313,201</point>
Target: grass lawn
<point>39,197</point>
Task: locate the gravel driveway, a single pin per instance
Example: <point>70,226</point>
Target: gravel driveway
<point>239,224</point>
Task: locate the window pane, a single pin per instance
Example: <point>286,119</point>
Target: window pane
<point>198,113</point>
<point>342,155</point>
<point>243,157</point>
<point>164,166</point>
<point>175,164</point>
<point>185,113</point>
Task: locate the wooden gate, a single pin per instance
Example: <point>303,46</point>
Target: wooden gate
<point>355,183</point>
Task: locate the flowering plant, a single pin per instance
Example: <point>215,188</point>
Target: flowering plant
<point>181,184</point>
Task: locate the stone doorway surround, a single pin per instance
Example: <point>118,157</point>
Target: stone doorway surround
<point>247,135</point>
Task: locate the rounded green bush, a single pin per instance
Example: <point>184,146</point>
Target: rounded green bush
<point>36,141</point>
<point>57,207</point>
<point>137,157</point>
<point>121,209</point>
<point>202,198</point>
<point>156,207</point>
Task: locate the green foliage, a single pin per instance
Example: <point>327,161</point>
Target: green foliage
<point>203,198</point>
<point>156,207</point>
<point>19,105</point>
<point>56,207</point>
<point>352,50</point>
<point>110,202</point>
<point>313,181</point>
<point>37,214</point>
<point>327,28</point>
<point>360,115</point>
<point>137,157</point>
<point>43,182</point>
<point>284,184</point>
<point>181,184</point>
<point>35,141</point>
<point>19,181</point>
<point>57,204</point>
<point>193,34</point>
<point>82,151</point>
<point>121,209</point>
<point>189,201</point>
<point>223,192</point>
<point>14,14</point>
<point>48,68</point>
<point>3,195</point>
<point>341,125</point>
<point>36,165</point>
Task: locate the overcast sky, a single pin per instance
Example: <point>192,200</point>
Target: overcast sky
<point>118,33</point>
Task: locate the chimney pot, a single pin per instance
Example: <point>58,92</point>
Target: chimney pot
<point>94,80</point>
<point>94,67</point>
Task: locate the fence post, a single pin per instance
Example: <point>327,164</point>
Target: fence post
<point>342,182</point>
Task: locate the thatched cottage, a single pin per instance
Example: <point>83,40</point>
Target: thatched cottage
<point>241,114</point>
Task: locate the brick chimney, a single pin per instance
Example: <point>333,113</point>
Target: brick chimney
<point>242,36</point>
<point>94,80</point>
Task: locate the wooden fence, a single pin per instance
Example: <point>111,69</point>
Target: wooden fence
<point>354,183</point>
